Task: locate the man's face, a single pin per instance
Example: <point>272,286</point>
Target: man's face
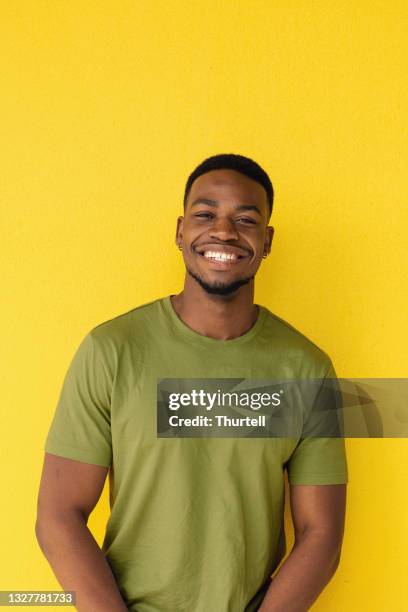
<point>224,230</point>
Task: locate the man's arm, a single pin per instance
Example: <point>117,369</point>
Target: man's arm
<point>318,514</point>
<point>69,491</point>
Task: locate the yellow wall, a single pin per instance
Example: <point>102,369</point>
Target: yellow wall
<point>106,107</point>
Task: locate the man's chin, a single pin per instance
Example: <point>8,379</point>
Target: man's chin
<point>218,288</point>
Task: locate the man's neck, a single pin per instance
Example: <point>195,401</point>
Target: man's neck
<point>223,317</point>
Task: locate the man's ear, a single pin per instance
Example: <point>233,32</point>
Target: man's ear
<point>179,230</point>
<point>270,230</point>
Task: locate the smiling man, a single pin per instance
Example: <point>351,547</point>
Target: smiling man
<point>196,523</point>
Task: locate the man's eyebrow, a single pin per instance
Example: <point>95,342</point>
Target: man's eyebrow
<point>215,203</point>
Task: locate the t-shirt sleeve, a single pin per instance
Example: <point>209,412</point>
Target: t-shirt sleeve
<point>80,428</point>
<point>320,455</point>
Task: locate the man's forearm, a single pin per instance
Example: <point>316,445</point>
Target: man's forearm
<point>79,564</point>
<point>303,575</point>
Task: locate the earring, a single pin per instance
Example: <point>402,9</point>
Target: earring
<point>264,255</point>
<point>180,246</point>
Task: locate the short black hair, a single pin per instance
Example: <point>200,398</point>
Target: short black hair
<point>232,161</point>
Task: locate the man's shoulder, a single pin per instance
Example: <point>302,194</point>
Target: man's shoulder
<point>127,325</point>
<point>292,342</point>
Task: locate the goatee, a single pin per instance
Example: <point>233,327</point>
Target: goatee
<point>218,288</point>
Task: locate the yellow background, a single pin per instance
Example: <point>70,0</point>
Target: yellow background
<point>106,107</point>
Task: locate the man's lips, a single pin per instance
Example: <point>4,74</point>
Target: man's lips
<point>216,248</point>
<point>209,252</point>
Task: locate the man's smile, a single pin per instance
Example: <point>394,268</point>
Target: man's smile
<point>220,256</point>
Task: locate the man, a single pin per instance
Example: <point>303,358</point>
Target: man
<point>196,524</point>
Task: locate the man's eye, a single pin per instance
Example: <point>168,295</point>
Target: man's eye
<point>241,219</point>
<point>247,220</point>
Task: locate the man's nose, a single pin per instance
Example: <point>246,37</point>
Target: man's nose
<point>224,229</point>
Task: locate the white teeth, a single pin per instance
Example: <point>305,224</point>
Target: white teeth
<point>219,256</point>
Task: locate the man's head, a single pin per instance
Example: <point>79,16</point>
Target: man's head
<point>228,202</point>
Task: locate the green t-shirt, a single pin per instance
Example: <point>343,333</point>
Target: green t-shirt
<point>196,524</point>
